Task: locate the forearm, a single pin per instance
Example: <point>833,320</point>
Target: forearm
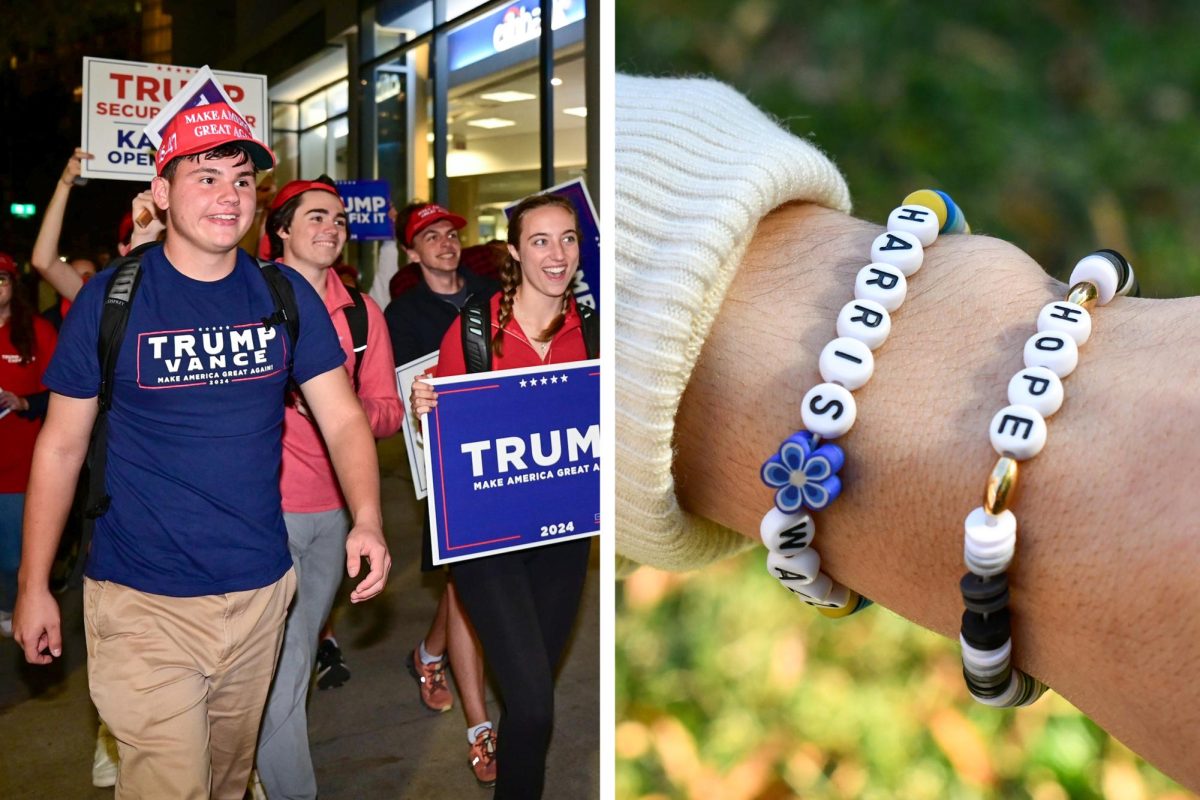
<point>45,250</point>
<point>52,480</point>
<point>352,451</point>
<point>1102,600</point>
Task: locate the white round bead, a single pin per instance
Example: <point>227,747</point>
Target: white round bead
<point>901,249</point>
<point>917,220</point>
<point>828,410</point>
<point>1036,387</point>
<point>1018,431</point>
<point>1066,318</point>
<point>883,283</point>
<point>866,321</point>
<point>795,571</point>
<point>786,533</point>
<point>820,592</point>
<point>986,663</point>
<point>1053,350</point>
<point>1100,271</point>
<point>989,542</point>
<point>847,361</point>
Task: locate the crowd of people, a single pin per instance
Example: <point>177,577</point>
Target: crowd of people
<point>198,424</point>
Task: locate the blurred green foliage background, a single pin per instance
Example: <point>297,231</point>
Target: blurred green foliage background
<point>1062,126</point>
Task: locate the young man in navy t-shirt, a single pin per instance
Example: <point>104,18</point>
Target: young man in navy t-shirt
<point>189,575</point>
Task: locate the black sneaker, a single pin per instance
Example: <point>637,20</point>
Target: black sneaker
<point>331,669</point>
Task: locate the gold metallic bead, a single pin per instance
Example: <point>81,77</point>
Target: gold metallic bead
<point>1001,486</point>
<point>1084,293</point>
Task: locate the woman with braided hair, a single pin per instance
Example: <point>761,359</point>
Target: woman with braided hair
<point>524,603</point>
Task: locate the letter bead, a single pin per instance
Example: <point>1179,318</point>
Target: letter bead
<point>1100,270</point>
<point>1055,351</point>
<point>1018,431</point>
<point>918,220</point>
<point>847,361</point>
<point>989,541</point>
<point>1068,318</point>
<point>828,410</point>
<point>901,249</point>
<point>787,534</point>
<point>883,283</point>
<point>865,320</point>
<point>1036,387</point>
<point>798,570</point>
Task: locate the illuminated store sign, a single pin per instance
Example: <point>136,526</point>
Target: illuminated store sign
<point>513,25</point>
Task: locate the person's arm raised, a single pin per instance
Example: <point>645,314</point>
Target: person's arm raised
<point>45,250</point>
<point>1103,586</point>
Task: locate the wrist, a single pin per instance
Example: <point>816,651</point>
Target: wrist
<point>918,417</point>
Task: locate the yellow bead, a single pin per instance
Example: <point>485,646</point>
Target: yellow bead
<point>851,602</point>
<point>1084,293</point>
<point>931,200</point>
<point>1001,486</point>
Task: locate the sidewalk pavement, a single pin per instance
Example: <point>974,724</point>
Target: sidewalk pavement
<point>371,738</point>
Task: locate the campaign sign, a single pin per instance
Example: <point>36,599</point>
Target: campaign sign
<point>513,459</point>
<point>414,443</point>
<point>121,97</point>
<point>587,279</point>
<point>367,209</point>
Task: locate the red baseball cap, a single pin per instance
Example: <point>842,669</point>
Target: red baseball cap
<point>293,188</point>
<point>7,264</point>
<point>200,129</point>
<point>425,216</point>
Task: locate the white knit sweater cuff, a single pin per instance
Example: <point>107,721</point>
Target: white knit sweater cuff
<point>697,167</point>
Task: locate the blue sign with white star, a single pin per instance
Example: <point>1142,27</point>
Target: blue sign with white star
<point>513,459</point>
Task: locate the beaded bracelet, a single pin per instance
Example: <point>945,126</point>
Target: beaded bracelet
<point>804,471</point>
<point>1018,433</point>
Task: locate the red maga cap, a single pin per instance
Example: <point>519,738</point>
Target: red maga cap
<point>425,216</point>
<point>200,129</point>
<point>293,188</point>
<point>7,264</point>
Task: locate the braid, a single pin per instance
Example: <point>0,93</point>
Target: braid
<point>556,324</point>
<point>510,279</point>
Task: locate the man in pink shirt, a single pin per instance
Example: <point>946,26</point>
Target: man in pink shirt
<point>307,229</point>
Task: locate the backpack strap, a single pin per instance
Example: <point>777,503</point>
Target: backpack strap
<point>589,322</point>
<point>286,312</point>
<point>476,321</point>
<point>356,318</point>
<point>114,316</point>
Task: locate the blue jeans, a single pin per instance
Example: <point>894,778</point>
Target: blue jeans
<point>12,508</point>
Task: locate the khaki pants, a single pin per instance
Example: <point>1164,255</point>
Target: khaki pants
<point>181,682</point>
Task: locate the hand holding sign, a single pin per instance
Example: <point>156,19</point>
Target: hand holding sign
<point>71,172</point>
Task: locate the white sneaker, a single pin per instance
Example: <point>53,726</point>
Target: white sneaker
<point>105,761</point>
<point>6,624</point>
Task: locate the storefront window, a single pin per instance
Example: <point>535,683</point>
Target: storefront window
<point>494,112</point>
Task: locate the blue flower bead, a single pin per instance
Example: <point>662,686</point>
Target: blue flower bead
<point>804,476</point>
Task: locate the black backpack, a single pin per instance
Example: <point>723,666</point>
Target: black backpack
<point>115,316</point>
<point>476,323</point>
